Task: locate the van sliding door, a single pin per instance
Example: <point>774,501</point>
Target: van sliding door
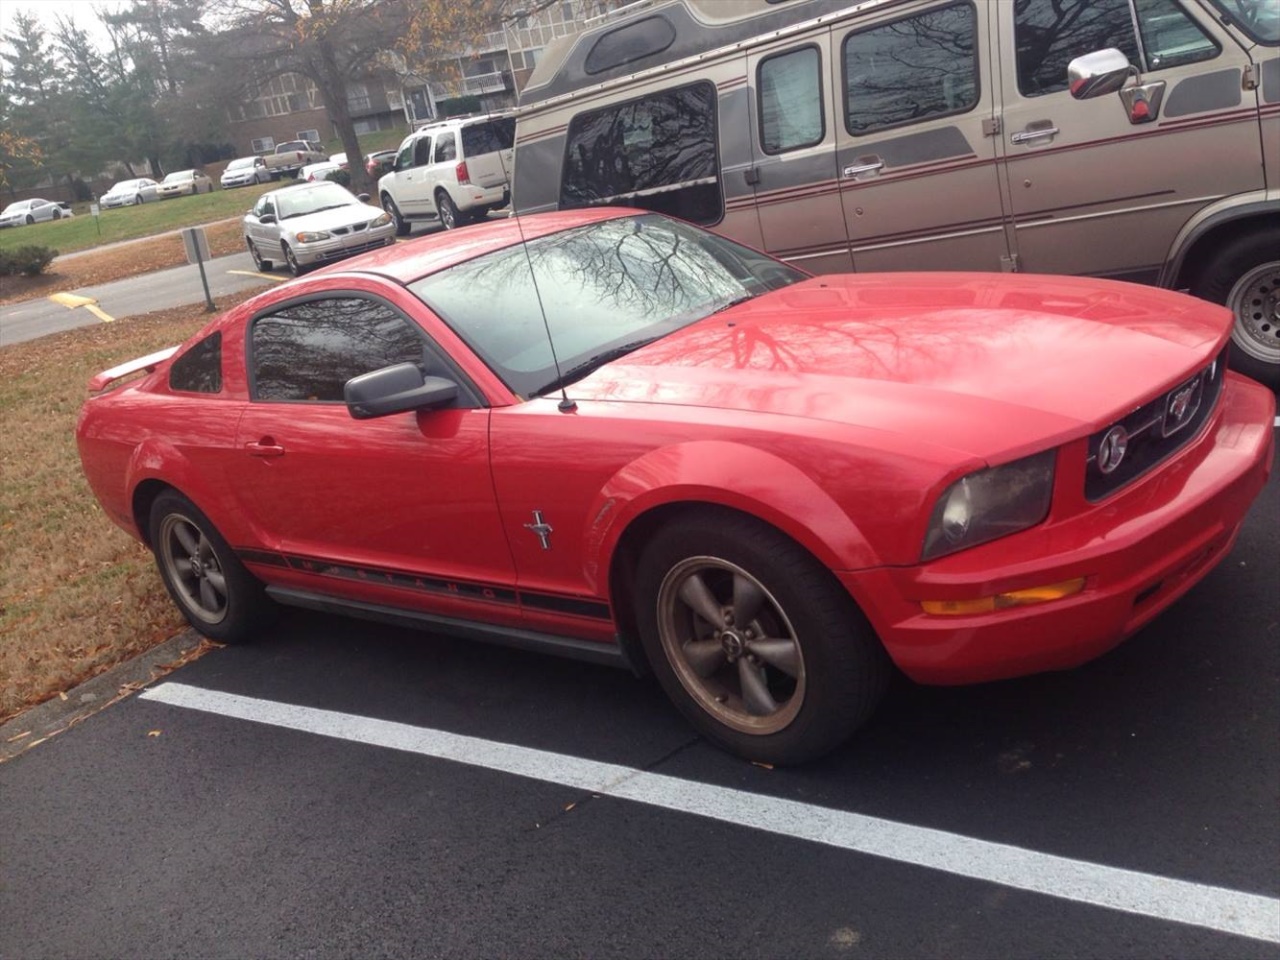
<point>916,160</point>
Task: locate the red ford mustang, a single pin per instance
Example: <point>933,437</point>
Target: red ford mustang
<point>619,437</point>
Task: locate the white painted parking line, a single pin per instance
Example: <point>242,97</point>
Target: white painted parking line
<point>1163,898</point>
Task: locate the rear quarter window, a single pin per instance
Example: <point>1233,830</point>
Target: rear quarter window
<point>199,370</point>
<point>488,137</point>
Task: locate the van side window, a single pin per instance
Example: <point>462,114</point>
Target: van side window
<point>657,152</point>
<point>1049,34</point>
<point>914,69</point>
<point>790,86</point>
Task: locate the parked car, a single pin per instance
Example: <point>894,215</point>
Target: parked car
<point>26,212</point>
<point>620,437</point>
<point>183,182</point>
<point>313,223</point>
<point>1045,136</point>
<point>318,171</point>
<point>455,171</point>
<point>292,156</point>
<point>243,171</point>
<point>379,162</point>
<point>128,193</point>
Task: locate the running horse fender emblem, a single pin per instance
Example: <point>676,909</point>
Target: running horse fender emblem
<point>541,529</point>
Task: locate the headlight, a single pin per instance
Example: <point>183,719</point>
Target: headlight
<point>381,221</point>
<point>311,236</point>
<point>989,504</point>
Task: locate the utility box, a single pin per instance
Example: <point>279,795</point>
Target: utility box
<point>196,244</point>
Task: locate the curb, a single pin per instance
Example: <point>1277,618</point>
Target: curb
<point>50,718</point>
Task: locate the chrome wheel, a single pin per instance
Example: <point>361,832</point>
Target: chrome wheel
<point>1255,301</point>
<point>731,645</point>
<point>291,260</point>
<point>192,566</point>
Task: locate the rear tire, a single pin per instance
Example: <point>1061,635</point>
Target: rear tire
<point>755,641</point>
<point>449,214</point>
<point>259,261</point>
<point>1245,277</point>
<point>212,588</point>
<point>57,214</point>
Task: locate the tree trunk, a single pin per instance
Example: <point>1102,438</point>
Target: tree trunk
<point>334,93</point>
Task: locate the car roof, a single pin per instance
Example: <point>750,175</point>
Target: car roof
<point>413,260</point>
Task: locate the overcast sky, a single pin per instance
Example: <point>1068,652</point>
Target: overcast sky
<point>47,11</point>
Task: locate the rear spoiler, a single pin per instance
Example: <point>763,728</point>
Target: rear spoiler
<point>148,363</point>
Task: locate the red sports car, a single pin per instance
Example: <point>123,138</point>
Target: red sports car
<point>619,437</point>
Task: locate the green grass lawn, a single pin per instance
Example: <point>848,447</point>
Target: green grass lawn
<point>128,223</point>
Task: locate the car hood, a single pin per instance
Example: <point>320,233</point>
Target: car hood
<point>345,216</point>
<point>994,366</point>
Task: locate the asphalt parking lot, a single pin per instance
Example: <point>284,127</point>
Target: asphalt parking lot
<point>342,788</point>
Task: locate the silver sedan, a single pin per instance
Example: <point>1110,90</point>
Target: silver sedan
<point>32,211</point>
<point>313,223</point>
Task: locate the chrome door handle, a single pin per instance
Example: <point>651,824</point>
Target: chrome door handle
<point>264,448</point>
<point>869,166</point>
<point>1030,136</point>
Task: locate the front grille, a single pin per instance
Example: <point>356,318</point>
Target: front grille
<point>1128,448</point>
<point>355,227</point>
<point>353,249</point>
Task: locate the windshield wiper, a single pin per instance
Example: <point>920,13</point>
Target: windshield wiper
<point>732,303</point>
<point>580,370</point>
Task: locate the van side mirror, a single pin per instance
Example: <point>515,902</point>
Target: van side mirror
<point>1099,73</point>
<point>396,389</point>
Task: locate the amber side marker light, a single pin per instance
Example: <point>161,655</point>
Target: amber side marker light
<point>1002,601</point>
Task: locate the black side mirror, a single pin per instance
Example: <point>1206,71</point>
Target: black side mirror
<point>267,218</point>
<point>396,389</point>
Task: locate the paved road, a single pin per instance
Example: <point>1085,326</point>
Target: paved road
<point>125,298</point>
<point>347,789</point>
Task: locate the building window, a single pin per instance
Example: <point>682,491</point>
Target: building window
<point>313,136</point>
<point>263,145</point>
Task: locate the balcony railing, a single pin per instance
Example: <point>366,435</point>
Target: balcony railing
<point>497,82</point>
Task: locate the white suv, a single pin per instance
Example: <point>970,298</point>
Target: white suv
<point>455,171</point>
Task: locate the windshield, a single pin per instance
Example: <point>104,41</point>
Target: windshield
<point>323,196</point>
<point>175,177</point>
<point>242,163</point>
<point>16,207</point>
<point>124,186</point>
<point>1260,19</point>
<point>606,289</point>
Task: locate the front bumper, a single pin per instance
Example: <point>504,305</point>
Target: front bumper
<point>348,245</point>
<point>1138,550</point>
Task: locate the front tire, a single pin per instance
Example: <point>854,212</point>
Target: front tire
<point>754,640</point>
<point>291,261</point>
<point>1244,276</point>
<point>137,200</point>
<point>30,220</point>
<point>212,588</point>
<point>402,225</point>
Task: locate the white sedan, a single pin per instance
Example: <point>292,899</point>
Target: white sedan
<point>32,211</point>
<point>127,193</point>
<point>313,223</point>
<point>245,170</point>
<point>318,171</point>
<point>184,181</point>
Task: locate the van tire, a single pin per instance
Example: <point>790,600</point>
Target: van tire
<point>1245,277</point>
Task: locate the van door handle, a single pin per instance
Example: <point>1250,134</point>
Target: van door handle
<point>864,165</point>
<point>266,447</point>
<point>1035,132</point>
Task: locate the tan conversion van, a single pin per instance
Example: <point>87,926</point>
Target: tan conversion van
<point>1133,139</point>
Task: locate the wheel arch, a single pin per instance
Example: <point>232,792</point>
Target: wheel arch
<point>710,476</point>
<point>1215,226</point>
<point>156,467</point>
